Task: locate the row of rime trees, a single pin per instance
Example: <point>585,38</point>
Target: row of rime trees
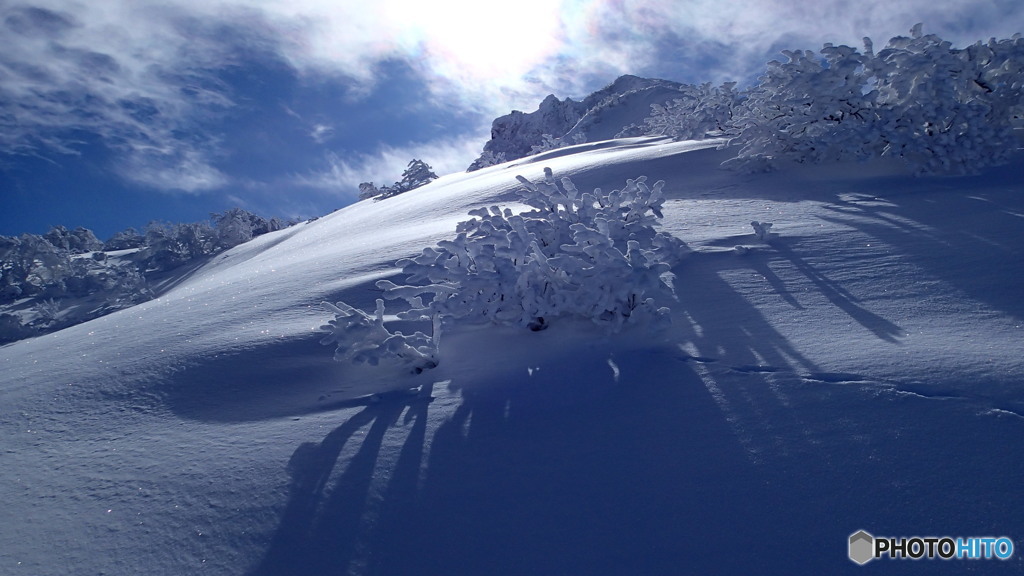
<point>41,271</point>
<point>417,174</point>
<point>940,109</point>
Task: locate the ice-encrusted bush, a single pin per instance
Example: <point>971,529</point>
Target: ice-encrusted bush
<point>940,109</point>
<point>704,111</point>
<point>595,256</point>
<point>549,142</point>
<point>487,158</point>
<point>417,174</point>
<point>953,112</point>
<point>363,338</point>
<point>809,109</point>
<point>49,309</point>
<point>589,255</point>
<point>763,231</point>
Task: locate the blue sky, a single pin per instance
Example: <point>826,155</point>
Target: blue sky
<point>114,113</point>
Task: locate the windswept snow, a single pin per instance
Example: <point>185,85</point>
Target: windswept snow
<point>860,370</point>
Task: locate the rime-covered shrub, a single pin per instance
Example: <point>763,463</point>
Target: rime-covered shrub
<point>763,230</point>
<point>589,255</point>
<point>594,256</point>
<point>77,241</point>
<point>940,109</point>
<point>360,337</point>
<point>168,246</point>
<point>549,142</point>
<point>418,173</point>
<point>32,267</point>
<point>487,158</point>
<point>946,110</point>
<point>125,240</point>
<point>69,265</point>
<point>368,190</point>
<point>48,310</point>
<point>704,111</point>
<point>809,109</point>
<point>12,329</point>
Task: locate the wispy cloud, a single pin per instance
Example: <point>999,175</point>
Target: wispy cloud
<point>341,176</point>
<point>184,170</point>
<point>335,182</point>
<point>321,133</point>
<point>71,73</point>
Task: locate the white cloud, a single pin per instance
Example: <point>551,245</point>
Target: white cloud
<point>140,74</point>
<point>503,55</point>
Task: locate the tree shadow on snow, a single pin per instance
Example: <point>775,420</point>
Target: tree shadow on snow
<point>557,472</point>
<point>725,450</point>
<point>323,528</point>
<point>601,462</point>
<point>964,231</point>
<point>840,297</point>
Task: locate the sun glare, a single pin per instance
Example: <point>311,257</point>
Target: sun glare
<point>468,41</point>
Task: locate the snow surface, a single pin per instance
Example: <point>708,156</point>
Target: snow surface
<point>862,370</point>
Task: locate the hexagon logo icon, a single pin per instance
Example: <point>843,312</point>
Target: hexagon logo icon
<point>861,547</point>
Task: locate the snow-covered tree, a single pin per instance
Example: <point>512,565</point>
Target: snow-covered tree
<point>360,337</point>
<point>596,256</point>
<point>12,329</point>
<point>31,266</point>
<point>233,227</point>
<point>125,240</point>
<point>168,246</point>
<point>549,142</point>
<point>763,231</point>
<point>704,111</point>
<point>37,272</point>
<point>946,110</point>
<point>367,190</point>
<point>418,173</point>
<point>77,241</point>
<point>487,158</point>
<point>48,310</point>
<point>940,109</point>
<point>810,109</point>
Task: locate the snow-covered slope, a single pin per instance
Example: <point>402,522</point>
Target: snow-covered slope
<point>861,370</point>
